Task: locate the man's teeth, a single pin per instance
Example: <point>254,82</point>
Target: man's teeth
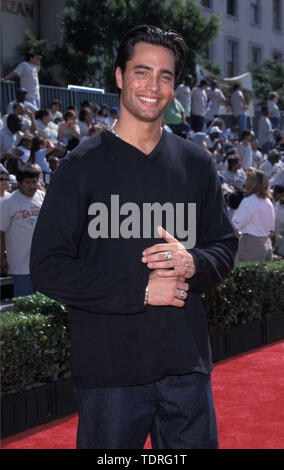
<point>149,100</point>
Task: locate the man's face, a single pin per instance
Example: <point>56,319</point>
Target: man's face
<point>21,97</point>
<point>19,109</point>
<point>28,186</point>
<point>147,84</point>
<point>4,182</point>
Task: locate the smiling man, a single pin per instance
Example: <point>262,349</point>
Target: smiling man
<point>141,358</point>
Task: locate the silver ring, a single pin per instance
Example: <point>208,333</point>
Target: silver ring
<point>168,255</point>
<point>182,293</point>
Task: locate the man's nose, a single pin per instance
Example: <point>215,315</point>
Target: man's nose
<point>153,83</point>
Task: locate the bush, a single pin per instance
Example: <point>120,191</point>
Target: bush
<point>250,292</point>
<point>35,340</point>
<point>35,346</point>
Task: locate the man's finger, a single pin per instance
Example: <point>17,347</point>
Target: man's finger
<point>162,247</point>
<point>166,235</point>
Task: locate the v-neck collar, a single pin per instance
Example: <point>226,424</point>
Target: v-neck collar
<point>126,145</point>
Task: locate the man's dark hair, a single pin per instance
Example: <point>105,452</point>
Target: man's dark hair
<point>58,102</point>
<point>69,114</point>
<point>14,123</point>
<point>29,55</point>
<point>237,86</point>
<point>155,36</point>
<point>245,134</point>
<point>82,115</point>
<point>232,160</point>
<point>41,113</point>
<point>235,199</point>
<point>26,172</point>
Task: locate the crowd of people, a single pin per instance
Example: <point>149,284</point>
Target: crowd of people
<point>251,167</point>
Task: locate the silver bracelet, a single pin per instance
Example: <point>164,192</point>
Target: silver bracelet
<point>146,296</point>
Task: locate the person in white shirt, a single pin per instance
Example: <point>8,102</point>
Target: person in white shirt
<point>215,99</point>
<point>28,73</point>
<point>69,130</point>
<point>54,110</point>
<point>4,184</point>
<point>255,219</point>
<point>183,94</point>
<point>271,166</point>
<point>21,95</point>
<point>239,107</point>
<point>265,131</point>
<point>245,150</point>
<point>257,157</point>
<point>9,139</point>
<point>234,175</point>
<point>19,215</point>
<point>46,128</point>
<point>85,122</point>
<point>273,110</point>
<point>28,124</point>
<point>198,106</point>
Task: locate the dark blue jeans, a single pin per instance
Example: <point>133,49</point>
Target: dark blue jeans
<point>178,411</point>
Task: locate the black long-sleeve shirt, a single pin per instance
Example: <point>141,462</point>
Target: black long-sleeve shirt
<point>115,340</point>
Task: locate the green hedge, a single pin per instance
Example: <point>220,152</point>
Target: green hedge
<point>35,340</point>
<point>250,292</point>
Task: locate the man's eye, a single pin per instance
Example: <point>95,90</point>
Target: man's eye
<point>166,78</point>
<point>141,73</point>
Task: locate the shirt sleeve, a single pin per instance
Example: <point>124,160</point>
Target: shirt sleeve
<point>57,267</point>
<point>217,243</point>
<point>5,215</point>
<point>242,215</point>
<point>19,69</point>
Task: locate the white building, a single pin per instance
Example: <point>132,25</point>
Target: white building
<point>39,16</point>
<point>250,30</point>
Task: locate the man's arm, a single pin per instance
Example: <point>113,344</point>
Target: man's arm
<point>9,76</point>
<point>56,265</point>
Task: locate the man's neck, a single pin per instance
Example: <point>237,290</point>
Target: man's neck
<point>142,135</point>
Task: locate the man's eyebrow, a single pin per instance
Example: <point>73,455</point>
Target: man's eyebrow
<point>141,66</point>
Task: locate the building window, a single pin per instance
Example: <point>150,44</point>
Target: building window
<point>232,7</point>
<point>209,53</point>
<point>277,14</point>
<point>255,11</point>
<point>256,55</point>
<point>232,58</point>
<point>277,56</point>
<point>206,3</point>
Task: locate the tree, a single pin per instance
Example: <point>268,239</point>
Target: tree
<point>93,30</point>
<point>268,77</point>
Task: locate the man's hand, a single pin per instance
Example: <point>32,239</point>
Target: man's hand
<point>170,260</point>
<point>169,291</point>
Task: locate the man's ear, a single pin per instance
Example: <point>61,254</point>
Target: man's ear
<point>118,77</point>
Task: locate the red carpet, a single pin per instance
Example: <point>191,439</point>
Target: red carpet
<point>249,399</point>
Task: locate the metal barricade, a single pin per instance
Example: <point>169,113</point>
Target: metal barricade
<point>66,96</point>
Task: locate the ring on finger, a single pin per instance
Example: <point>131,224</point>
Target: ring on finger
<point>168,255</point>
<point>182,293</point>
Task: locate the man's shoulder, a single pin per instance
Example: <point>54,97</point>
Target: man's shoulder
<point>9,202</point>
<point>189,150</point>
<point>91,148</point>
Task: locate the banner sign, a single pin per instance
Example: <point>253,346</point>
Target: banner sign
<point>226,86</point>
